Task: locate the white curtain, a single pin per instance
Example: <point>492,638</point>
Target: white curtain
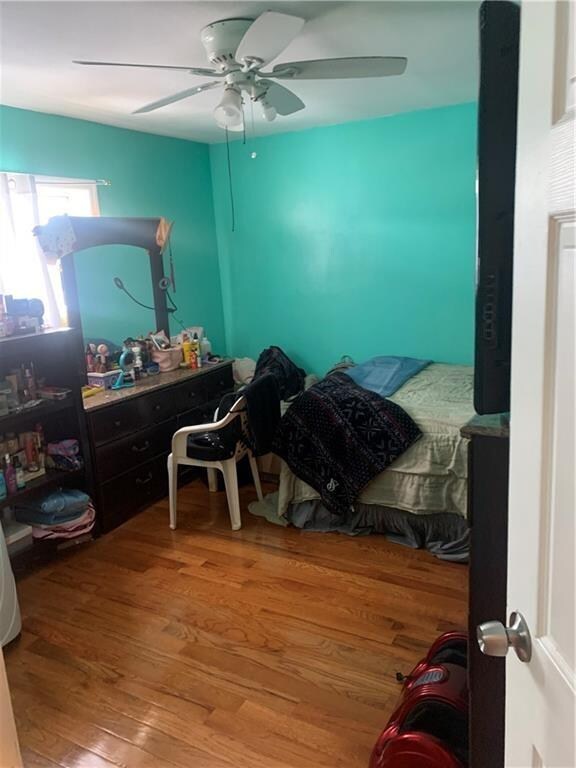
<point>24,272</point>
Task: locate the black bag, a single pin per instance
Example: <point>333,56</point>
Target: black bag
<point>289,378</point>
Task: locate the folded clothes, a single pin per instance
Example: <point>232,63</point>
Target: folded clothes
<point>69,525</point>
<point>68,530</point>
<point>57,507</point>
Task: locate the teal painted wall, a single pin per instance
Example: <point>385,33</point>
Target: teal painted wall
<point>354,239</point>
<point>151,176</point>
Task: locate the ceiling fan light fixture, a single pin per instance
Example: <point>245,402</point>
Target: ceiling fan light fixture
<point>268,111</point>
<point>238,128</point>
<point>229,114</point>
<point>239,49</point>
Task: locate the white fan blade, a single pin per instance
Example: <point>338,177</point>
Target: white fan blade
<point>192,70</point>
<point>268,36</point>
<point>177,97</point>
<point>340,69</point>
<point>284,101</point>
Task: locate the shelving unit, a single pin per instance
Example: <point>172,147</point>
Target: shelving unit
<point>23,338</point>
<point>52,479</point>
<point>58,358</point>
<point>30,415</point>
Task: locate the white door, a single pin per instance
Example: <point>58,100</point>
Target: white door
<point>540,694</point>
<point>9,749</point>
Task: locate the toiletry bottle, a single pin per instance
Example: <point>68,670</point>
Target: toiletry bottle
<point>196,352</point>
<point>40,442</point>
<point>3,489</point>
<point>89,359</point>
<point>23,391</point>
<point>137,352</point>
<point>9,476</point>
<point>31,452</point>
<point>20,481</point>
<point>186,348</point>
<point>205,349</point>
<point>12,444</point>
<point>40,439</point>
<point>30,380</point>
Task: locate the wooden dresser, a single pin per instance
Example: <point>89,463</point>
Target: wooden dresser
<point>130,432</point>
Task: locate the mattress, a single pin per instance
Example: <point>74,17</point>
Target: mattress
<point>431,476</point>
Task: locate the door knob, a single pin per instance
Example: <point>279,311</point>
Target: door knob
<point>494,638</point>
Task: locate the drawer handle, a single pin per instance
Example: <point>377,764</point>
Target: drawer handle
<point>145,480</point>
<point>141,448</point>
<point>157,407</point>
<point>117,423</point>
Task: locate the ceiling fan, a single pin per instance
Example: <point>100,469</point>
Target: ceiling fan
<point>240,48</point>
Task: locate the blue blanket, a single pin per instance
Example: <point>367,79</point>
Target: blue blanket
<point>385,375</point>
<point>57,507</point>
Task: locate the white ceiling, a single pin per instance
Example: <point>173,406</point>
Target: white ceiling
<point>40,39</point>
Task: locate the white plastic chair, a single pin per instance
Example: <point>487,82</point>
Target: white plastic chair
<point>179,456</point>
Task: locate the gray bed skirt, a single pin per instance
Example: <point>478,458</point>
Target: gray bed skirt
<point>444,534</point>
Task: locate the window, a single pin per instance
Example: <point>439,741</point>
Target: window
<point>59,196</point>
<point>26,201</point>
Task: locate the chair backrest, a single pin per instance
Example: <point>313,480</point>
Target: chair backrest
<point>227,414</point>
<point>239,405</point>
<point>230,428</point>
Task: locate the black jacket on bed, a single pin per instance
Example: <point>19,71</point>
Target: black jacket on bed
<point>337,436</point>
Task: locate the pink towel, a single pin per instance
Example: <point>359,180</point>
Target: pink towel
<point>69,529</point>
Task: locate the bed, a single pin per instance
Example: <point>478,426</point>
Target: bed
<point>420,500</point>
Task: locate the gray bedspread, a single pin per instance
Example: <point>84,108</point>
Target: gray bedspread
<point>444,534</point>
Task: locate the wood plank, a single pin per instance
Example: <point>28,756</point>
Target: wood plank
<point>262,648</point>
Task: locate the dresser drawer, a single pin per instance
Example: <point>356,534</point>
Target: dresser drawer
<point>189,395</point>
<point>207,387</point>
<point>115,421</point>
<point>119,456</point>
<point>125,418</point>
<point>216,383</point>
<point>125,495</point>
<point>202,415</point>
<point>157,407</point>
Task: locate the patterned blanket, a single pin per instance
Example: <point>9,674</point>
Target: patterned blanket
<point>337,436</point>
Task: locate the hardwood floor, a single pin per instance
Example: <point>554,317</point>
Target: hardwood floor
<point>205,648</point>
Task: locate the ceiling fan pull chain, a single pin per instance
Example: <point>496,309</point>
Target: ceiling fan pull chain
<point>232,211</point>
<point>253,154</point>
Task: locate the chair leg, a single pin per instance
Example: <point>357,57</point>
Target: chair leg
<point>256,476</point>
<point>172,488</point>
<point>212,480</point>
<point>231,483</point>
